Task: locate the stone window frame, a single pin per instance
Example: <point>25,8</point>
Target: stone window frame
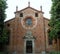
<point>31,26</point>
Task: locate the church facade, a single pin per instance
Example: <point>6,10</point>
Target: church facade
<point>28,32</point>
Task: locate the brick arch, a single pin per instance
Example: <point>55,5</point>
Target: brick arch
<point>29,17</point>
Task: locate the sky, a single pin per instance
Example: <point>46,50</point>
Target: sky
<point>46,6</point>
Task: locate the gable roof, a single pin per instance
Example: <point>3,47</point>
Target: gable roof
<point>25,9</point>
<point>46,19</point>
<point>30,8</point>
<point>9,20</point>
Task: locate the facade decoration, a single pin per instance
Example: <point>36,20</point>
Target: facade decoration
<point>28,33</point>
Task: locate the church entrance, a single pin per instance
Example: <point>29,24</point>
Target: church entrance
<point>29,43</point>
<point>29,48</point>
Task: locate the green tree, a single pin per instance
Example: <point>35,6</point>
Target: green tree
<point>3,31</point>
<point>55,20</point>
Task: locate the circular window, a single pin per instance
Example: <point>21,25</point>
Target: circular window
<point>29,21</point>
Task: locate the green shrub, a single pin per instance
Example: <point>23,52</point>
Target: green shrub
<point>55,52</point>
<point>1,52</point>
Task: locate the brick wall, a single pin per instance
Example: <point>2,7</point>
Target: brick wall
<point>17,31</point>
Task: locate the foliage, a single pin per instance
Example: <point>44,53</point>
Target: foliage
<point>3,31</point>
<point>4,38</point>
<point>4,53</point>
<point>54,52</point>
<point>55,20</point>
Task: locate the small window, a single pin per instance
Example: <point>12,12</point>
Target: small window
<point>8,25</point>
<point>36,14</point>
<point>21,14</point>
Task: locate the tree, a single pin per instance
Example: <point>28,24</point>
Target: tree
<point>55,20</point>
<point>3,31</point>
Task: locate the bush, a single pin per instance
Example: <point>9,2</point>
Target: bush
<point>1,52</point>
<point>55,52</point>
